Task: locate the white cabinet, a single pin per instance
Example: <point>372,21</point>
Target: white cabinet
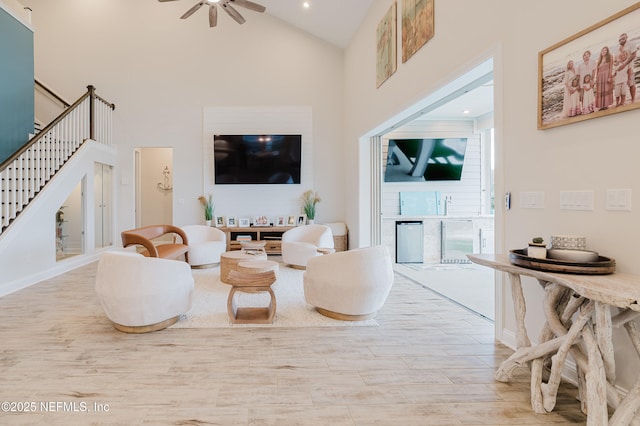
<point>487,240</point>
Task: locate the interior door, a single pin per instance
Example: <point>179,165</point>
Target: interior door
<point>103,189</point>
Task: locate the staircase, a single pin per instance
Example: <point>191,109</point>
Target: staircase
<point>26,173</point>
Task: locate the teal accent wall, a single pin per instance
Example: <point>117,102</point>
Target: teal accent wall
<point>16,84</point>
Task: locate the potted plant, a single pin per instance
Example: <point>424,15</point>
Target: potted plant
<point>207,203</point>
<point>309,201</point>
<point>537,248</point>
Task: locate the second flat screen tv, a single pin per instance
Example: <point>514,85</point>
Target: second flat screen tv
<point>257,159</point>
<point>420,160</point>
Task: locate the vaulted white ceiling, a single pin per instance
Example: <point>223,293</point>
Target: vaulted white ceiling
<point>335,21</point>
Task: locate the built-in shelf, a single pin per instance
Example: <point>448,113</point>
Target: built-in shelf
<point>272,235</point>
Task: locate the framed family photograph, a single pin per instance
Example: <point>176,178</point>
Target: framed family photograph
<point>244,222</point>
<point>231,222</point>
<point>301,219</point>
<point>291,221</point>
<point>281,221</point>
<point>591,74</point>
<point>220,221</point>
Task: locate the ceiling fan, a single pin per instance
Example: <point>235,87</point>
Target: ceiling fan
<point>226,5</point>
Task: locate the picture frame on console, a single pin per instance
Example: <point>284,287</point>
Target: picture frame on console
<point>301,219</point>
<point>281,221</point>
<point>231,222</point>
<point>261,221</point>
<point>220,221</point>
<point>244,222</point>
<point>606,53</point>
<point>291,221</point>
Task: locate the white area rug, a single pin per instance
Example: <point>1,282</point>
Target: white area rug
<point>209,309</point>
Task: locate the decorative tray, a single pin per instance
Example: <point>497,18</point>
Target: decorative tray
<point>602,266</point>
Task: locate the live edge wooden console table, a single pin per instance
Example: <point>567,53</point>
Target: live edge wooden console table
<point>579,322</point>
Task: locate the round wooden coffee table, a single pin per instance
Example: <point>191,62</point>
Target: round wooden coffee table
<point>229,262</point>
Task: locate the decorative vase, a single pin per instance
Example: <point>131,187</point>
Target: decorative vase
<point>207,222</point>
<point>310,221</point>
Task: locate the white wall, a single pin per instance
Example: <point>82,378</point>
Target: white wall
<point>29,249</point>
<point>260,200</point>
<point>592,155</point>
<point>17,11</point>
<point>161,72</point>
<point>155,203</point>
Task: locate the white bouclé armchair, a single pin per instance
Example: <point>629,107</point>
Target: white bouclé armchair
<point>206,244</point>
<point>302,243</point>
<point>141,294</point>
<point>349,285</point>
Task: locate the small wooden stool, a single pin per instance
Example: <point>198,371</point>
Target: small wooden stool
<point>251,283</point>
<point>257,266</point>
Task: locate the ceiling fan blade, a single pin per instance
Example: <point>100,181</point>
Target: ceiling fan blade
<point>233,13</point>
<point>248,5</point>
<point>213,15</point>
<point>193,10</point>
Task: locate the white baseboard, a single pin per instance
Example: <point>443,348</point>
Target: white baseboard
<point>60,267</point>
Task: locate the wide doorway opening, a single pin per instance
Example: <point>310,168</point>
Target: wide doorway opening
<point>436,193</point>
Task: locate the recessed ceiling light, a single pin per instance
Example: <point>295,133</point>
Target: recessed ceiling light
<point>466,111</point>
<point>306,4</point>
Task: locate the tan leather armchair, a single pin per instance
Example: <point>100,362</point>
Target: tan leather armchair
<point>144,236</point>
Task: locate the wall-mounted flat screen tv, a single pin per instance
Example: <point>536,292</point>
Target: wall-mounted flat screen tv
<point>420,160</point>
<point>257,159</point>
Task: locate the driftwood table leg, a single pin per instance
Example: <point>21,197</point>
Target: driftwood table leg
<point>554,299</point>
<point>628,411</point>
<point>505,371</point>
<point>628,408</point>
<point>604,336</point>
<point>550,389</point>
<point>596,382</point>
<point>520,307</point>
<point>524,355</point>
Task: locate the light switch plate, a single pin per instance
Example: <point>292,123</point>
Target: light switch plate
<point>576,200</point>
<point>619,199</point>
<point>532,200</point>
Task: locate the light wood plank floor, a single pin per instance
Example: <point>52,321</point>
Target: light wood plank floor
<point>429,362</point>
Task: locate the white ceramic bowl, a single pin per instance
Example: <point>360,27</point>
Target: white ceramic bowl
<point>572,255</point>
<point>571,242</point>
